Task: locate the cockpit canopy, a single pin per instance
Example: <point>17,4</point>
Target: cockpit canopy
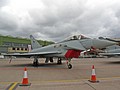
<point>76,37</point>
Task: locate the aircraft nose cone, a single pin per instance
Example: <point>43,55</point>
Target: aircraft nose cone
<point>109,43</point>
<point>103,43</point>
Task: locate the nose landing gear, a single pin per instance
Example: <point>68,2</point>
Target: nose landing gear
<point>69,63</point>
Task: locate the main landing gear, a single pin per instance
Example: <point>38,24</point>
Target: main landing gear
<point>35,62</point>
<point>59,61</point>
<point>49,59</point>
<point>69,64</point>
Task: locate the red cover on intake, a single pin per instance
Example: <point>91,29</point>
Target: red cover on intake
<point>72,54</point>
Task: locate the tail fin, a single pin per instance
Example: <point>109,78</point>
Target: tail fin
<point>34,43</point>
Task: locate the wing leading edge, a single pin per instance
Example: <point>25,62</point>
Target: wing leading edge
<point>33,54</point>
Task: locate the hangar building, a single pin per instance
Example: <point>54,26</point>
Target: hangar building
<point>13,45</point>
<point>9,44</point>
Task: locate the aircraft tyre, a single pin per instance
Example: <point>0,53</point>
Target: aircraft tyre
<point>35,62</point>
<point>59,61</point>
<point>51,59</point>
<point>69,66</point>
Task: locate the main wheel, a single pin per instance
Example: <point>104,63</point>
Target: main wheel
<point>35,63</point>
<point>69,66</point>
<point>59,62</point>
<point>51,59</point>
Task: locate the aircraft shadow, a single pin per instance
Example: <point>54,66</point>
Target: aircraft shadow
<point>50,65</point>
<point>113,62</point>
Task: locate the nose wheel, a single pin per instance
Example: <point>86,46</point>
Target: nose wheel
<point>69,64</point>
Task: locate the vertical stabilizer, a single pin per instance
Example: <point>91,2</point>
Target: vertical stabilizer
<point>34,43</point>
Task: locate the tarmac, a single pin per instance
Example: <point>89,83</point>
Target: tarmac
<point>58,77</point>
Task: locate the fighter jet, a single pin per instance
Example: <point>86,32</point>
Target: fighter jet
<point>68,49</point>
<point>112,51</point>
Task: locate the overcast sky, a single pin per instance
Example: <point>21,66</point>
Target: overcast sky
<point>57,19</point>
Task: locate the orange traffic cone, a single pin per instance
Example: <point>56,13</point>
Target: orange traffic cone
<point>25,79</point>
<point>93,76</point>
